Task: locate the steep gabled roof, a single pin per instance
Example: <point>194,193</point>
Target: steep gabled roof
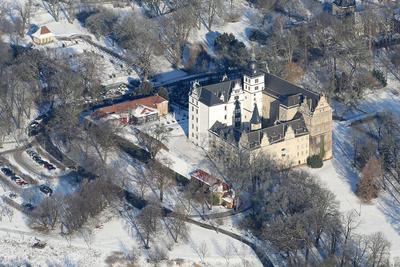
<point>288,94</point>
<point>44,30</point>
<point>275,133</point>
<point>255,118</point>
<point>218,93</point>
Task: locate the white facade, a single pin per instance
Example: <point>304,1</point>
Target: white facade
<point>253,87</point>
<point>203,115</point>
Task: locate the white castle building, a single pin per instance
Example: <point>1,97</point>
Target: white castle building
<point>261,112</point>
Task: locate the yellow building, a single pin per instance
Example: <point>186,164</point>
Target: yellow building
<point>43,36</point>
<point>295,123</point>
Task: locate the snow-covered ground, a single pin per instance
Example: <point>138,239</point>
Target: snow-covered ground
<point>338,175</point>
<point>111,234</point>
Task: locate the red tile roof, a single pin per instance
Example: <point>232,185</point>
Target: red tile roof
<point>204,177</point>
<point>44,30</point>
<point>150,101</point>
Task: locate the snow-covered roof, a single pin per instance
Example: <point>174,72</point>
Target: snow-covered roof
<point>143,111</point>
<point>42,32</point>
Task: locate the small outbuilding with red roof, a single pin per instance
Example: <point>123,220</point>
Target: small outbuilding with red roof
<point>43,36</point>
<point>136,111</point>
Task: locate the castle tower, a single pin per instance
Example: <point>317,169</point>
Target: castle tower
<point>237,115</point>
<point>253,85</point>
<point>255,121</point>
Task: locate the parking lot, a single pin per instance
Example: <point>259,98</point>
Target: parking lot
<point>30,174</point>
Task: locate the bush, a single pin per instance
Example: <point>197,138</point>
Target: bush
<point>215,200</point>
<point>380,76</point>
<point>315,161</point>
<point>368,188</point>
<point>232,52</point>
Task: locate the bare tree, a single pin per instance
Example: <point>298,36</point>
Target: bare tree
<point>53,7</point>
<point>24,11</point>
<point>91,69</point>
<point>212,9</point>
<point>160,176</point>
<point>175,32</point>
<point>177,224</point>
<point>153,137</point>
<point>47,214</point>
<point>158,7</point>
<point>202,251</point>
<point>70,6</point>
<point>149,221</point>
<point>378,250</point>
<point>139,36</point>
<point>350,223</point>
<point>102,137</point>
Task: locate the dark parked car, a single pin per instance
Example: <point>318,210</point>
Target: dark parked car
<point>7,171</point>
<point>49,166</point>
<point>27,206</point>
<point>45,189</point>
<point>31,153</point>
<point>41,162</point>
<point>15,178</point>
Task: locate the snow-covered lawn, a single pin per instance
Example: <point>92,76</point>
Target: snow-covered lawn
<point>111,234</point>
<point>338,175</point>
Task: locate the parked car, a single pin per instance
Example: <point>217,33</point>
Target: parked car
<point>31,153</point>
<point>27,206</point>
<point>41,162</point>
<point>7,171</point>
<point>45,189</point>
<point>34,128</point>
<point>15,178</point>
<point>21,182</point>
<point>48,166</point>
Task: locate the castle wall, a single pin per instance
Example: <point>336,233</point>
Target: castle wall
<point>319,125</point>
<point>292,151</point>
<point>270,108</point>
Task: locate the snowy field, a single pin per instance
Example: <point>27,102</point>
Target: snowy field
<point>112,235</point>
<point>338,175</point>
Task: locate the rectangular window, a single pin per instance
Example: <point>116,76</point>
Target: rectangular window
<point>192,108</point>
<point>192,117</point>
<point>256,88</point>
<point>225,108</point>
<point>256,80</point>
<point>225,117</point>
<point>197,119</point>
